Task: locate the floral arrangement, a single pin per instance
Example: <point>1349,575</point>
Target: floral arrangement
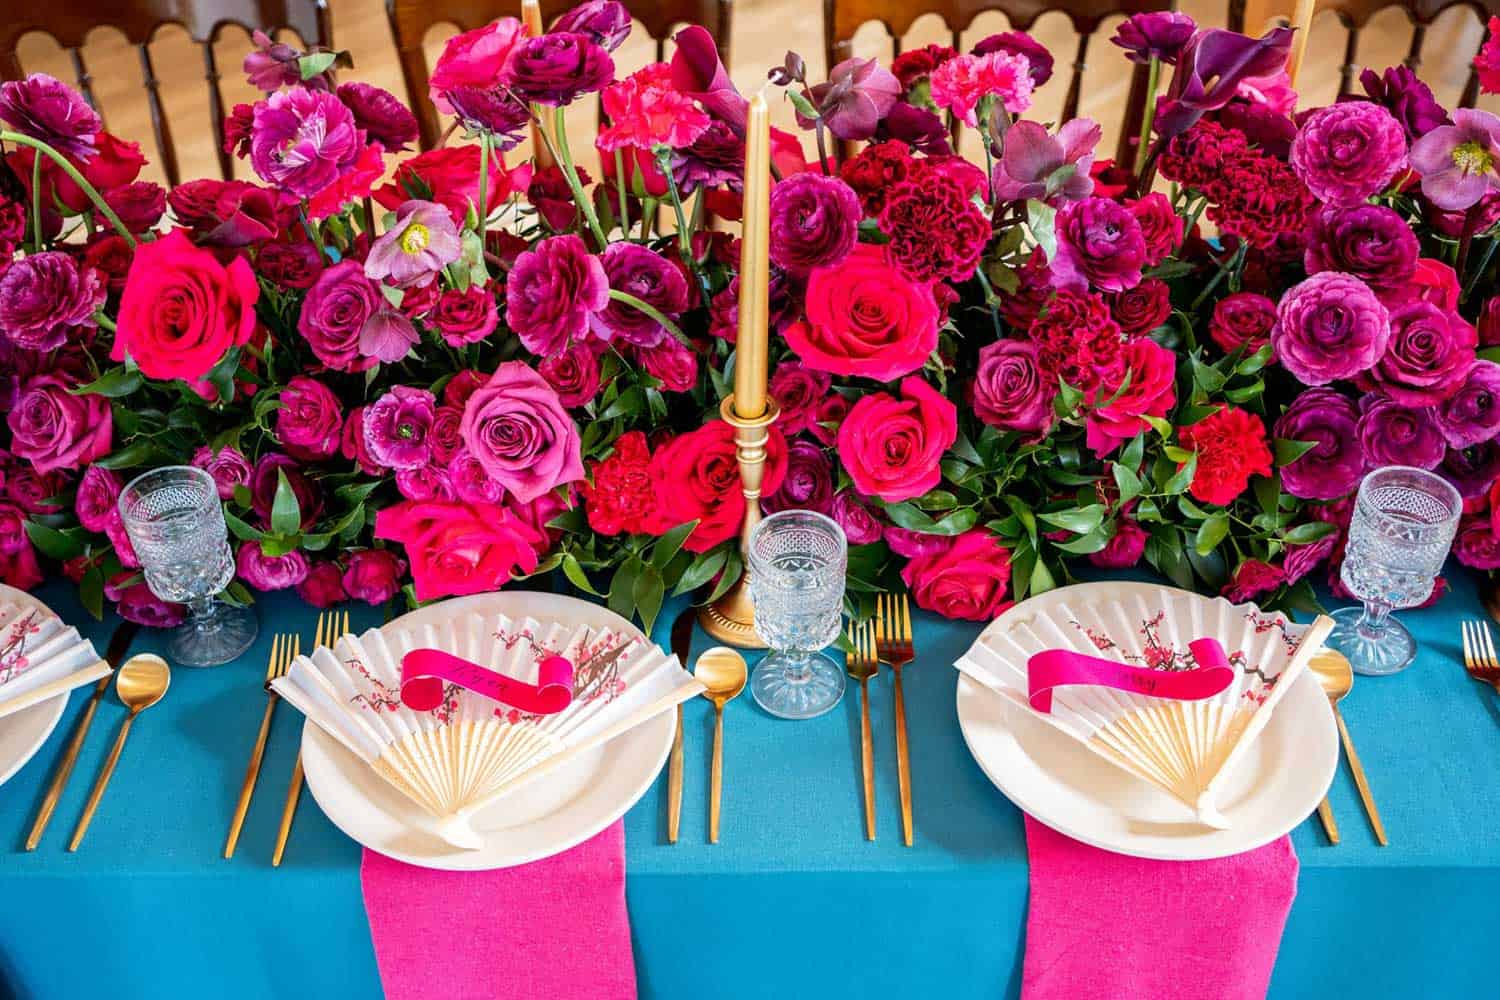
<point>441,371</point>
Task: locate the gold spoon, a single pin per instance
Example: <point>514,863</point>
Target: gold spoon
<point>1333,672</point>
<point>140,682</point>
<point>722,671</point>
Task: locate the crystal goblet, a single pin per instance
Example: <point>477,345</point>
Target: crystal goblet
<point>176,525</point>
<point>797,560</point>
<point>1403,523</point>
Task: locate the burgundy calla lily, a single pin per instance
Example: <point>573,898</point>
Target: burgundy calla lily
<point>698,72</point>
<point>1210,69</point>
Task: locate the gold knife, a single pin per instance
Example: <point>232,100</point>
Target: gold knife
<point>682,648</point>
<point>119,645</point>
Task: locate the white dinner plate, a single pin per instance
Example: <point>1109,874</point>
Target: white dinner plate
<point>1061,783</point>
<point>23,733</point>
<point>537,820</point>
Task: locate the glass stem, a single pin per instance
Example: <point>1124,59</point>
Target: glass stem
<point>796,667</point>
<point>1372,623</point>
<point>201,614</point>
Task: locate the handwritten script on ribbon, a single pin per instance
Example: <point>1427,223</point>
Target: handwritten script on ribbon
<point>1053,668</point>
<point>426,672</point>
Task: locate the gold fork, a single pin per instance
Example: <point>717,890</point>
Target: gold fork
<point>1479,654</point>
<point>862,665</point>
<point>328,632</point>
<point>284,648</point>
<point>893,645</point>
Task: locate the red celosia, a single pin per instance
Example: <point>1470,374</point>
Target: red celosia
<point>1197,157</point>
<point>1231,447</point>
<point>645,111</point>
<point>1077,339</point>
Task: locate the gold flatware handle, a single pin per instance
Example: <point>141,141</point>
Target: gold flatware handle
<point>903,760</point>
<point>252,772</point>
<point>1360,781</point>
<point>716,776</point>
<point>65,765</point>
<point>1330,827</point>
<point>867,758</point>
<point>674,784</point>
<point>101,783</point>
<point>293,793</point>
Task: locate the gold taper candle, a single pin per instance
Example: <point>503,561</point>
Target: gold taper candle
<point>751,351</point>
<point>531,16</point>
<point>1302,18</point>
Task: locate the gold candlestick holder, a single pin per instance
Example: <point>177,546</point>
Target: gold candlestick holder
<point>731,619</point>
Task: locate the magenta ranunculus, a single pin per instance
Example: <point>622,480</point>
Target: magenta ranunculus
<point>519,431</point>
<point>814,222</point>
<point>1393,434</point>
<point>1010,392</point>
<point>854,516</point>
<point>672,363</point>
<point>557,68</point>
<point>98,493</point>
<point>1125,547</point>
<point>1472,470</point>
<point>1347,152</point>
<point>373,575</point>
<point>335,311</point>
<point>644,274</point>
<point>398,427</point>
<point>44,296</point>
<point>45,108</point>
<point>54,429</point>
<point>605,21</point>
<point>310,422</point>
<point>1038,58</point>
<point>1430,352</point>
<point>228,466</point>
<point>267,573</point>
<point>1472,414</point>
<point>1331,326</point>
<point>1099,246</point>
<point>1336,462</point>
<point>809,480</point>
<point>1401,93</point>
<point>381,114</point>
<point>303,140</point>
<point>421,242</point>
<point>553,292</point>
<point>1370,242</point>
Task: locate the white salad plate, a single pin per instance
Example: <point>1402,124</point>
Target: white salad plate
<point>23,733</point>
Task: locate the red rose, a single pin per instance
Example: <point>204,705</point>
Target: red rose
<point>1141,309</point>
<point>1433,282</point>
<point>696,477</point>
<point>1150,392</point>
<point>1125,549</point>
<point>374,575</point>
<point>115,163</point>
<point>19,567</point>
<point>459,548</point>
<point>1231,447</point>
<point>1243,319</point>
<point>1252,578</point>
<point>182,309</point>
<point>968,579</point>
<point>323,587</point>
<point>451,173</point>
<point>1160,225</point>
<point>865,318</point>
<point>109,254</point>
<point>891,447</point>
<point>465,317</point>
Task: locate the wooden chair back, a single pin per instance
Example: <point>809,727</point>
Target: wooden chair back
<point>70,21</point>
<point>412,19</point>
<point>1253,15</point>
<point>842,18</point>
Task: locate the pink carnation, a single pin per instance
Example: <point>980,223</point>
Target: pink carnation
<point>961,83</point>
<point>644,111</point>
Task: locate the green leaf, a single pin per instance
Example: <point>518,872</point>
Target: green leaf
<point>648,594</point>
<point>958,522</point>
<point>1177,454</point>
<point>1211,533</point>
<point>907,515</point>
<point>52,543</point>
<point>316,63</point>
<point>130,456</point>
<point>1182,478</point>
<point>733,567</point>
<point>1309,532</point>
<point>1041,219</point>
<point>1162,427</point>
<point>963,448</point>
<point>1245,393</point>
<point>622,588</point>
<point>701,570</point>
<point>1207,377</point>
<point>286,514</point>
<point>1080,520</point>
<point>1267,493</point>
<point>91,592</point>
<point>1128,483</point>
<point>1084,544</point>
<point>1254,362</point>
<point>1288,451</point>
<point>1041,578</point>
<point>112,384</point>
<point>241,530</point>
<point>667,545</point>
<point>1133,452</point>
<point>221,375</point>
<point>576,576</point>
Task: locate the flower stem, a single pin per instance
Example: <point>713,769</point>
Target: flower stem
<point>989,298</point>
<point>36,201</point>
<point>650,310</point>
<point>1153,80</point>
<point>684,231</point>
<point>483,208</point>
<point>1231,264</point>
<point>75,176</point>
<point>620,187</point>
<point>565,157</point>
<point>1466,237</point>
<point>822,147</point>
<point>1484,265</point>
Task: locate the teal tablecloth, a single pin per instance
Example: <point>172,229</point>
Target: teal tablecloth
<point>792,903</point>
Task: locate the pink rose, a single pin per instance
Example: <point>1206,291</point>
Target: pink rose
<point>1125,548</point>
<point>573,372</point>
<point>374,575</point>
<point>517,428</point>
<point>228,466</point>
<point>323,587</point>
<point>969,579</point>
<point>310,422</point>
<point>54,429</point>
<point>98,494</point>
<point>460,548</point>
<point>1252,578</point>
<point>265,572</point>
<point>1150,392</point>
<point>18,563</point>
<point>891,447</point>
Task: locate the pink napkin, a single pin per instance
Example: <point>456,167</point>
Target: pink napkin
<point>1107,926</point>
<point>555,929</point>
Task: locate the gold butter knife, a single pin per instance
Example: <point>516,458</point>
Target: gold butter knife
<point>682,648</point>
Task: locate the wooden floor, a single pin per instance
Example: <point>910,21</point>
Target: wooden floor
<point>764,29</point>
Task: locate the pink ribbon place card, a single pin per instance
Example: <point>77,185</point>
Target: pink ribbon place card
<point>425,673</point>
<point>1053,668</point>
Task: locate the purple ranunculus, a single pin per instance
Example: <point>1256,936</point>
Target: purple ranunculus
<point>1429,353</point>
<point>228,466</point>
<point>573,372</point>
<point>605,21</point>
<point>557,68</point>
<point>1099,245</point>
<point>373,575</point>
<point>381,114</point>
<point>1331,326</point>
<point>1404,95</point>
<point>97,498</point>
<point>1459,163</point>
<point>716,157</point>
<point>1210,69</point>
<point>493,110</point>
<point>519,431</point>
<point>45,108</point>
<point>1347,152</point>
<point>1300,560</point>
<point>303,140</point>
<point>1019,43</point>
<point>858,94</point>
<point>553,291</point>
<point>1392,434</point>
<point>1031,156</point>
<point>854,516</point>
<point>1371,242</point>
<point>814,222</point>
<point>267,573</point>
<point>336,309</point>
<point>1159,33</point>
<point>809,480</point>
<point>1335,464</point>
<point>265,478</point>
<point>699,73</point>
<point>1010,392</point>
<point>1472,470</point>
<point>398,427</point>
<point>644,274</point>
<point>1472,414</point>
<point>310,421</point>
<point>388,335</point>
<point>422,241</point>
<point>44,296</point>
<point>53,429</point>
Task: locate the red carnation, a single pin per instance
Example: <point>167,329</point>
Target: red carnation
<point>1231,447</point>
<point>1077,339</point>
<point>915,65</point>
<point>936,230</point>
<point>620,499</point>
<point>876,171</point>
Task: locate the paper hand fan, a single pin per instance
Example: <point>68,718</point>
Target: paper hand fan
<point>467,751</point>
<point>1186,747</point>
<point>40,657</point>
